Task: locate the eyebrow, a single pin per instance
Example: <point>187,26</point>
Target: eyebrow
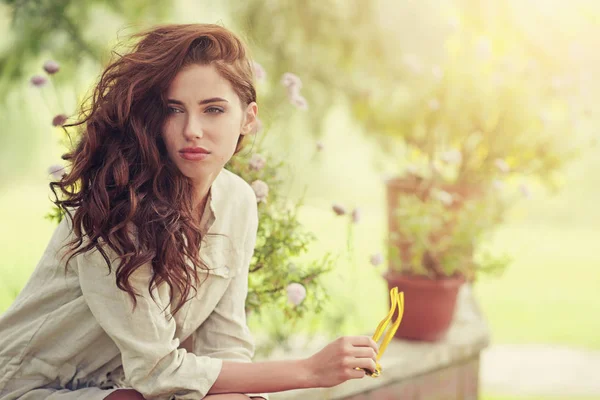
<point>201,102</point>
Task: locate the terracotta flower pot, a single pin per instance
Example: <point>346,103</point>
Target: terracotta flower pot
<point>428,305</point>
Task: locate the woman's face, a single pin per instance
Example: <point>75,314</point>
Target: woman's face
<point>205,119</point>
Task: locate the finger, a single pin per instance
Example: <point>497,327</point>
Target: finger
<point>356,373</point>
<point>363,352</point>
<point>364,341</point>
<point>365,363</point>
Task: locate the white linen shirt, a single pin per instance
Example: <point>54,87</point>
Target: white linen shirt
<point>74,335</point>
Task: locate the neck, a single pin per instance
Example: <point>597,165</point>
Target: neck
<point>201,191</point>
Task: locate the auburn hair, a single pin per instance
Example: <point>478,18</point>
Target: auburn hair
<point>125,192</point>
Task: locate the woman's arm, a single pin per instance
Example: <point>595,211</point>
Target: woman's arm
<point>334,364</point>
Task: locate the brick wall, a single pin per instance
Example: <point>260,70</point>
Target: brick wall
<point>454,382</point>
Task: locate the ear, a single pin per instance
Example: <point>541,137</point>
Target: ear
<point>250,119</point>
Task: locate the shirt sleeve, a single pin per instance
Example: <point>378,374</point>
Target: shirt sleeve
<point>152,362</point>
<point>225,334</point>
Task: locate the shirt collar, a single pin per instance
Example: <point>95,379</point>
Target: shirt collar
<point>212,205</point>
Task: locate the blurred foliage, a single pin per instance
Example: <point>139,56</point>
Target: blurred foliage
<point>60,29</point>
<point>336,47</point>
<point>488,101</point>
<point>493,111</point>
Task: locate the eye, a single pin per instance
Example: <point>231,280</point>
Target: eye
<point>214,110</point>
<point>173,110</point>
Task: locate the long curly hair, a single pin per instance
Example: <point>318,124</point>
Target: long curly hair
<point>125,192</point>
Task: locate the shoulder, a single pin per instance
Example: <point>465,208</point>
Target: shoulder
<point>234,197</point>
<point>234,184</point>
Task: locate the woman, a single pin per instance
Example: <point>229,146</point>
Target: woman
<point>140,293</point>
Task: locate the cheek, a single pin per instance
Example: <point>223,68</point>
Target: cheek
<point>168,136</point>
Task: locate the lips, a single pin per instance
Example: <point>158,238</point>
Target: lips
<point>194,150</point>
<point>194,153</point>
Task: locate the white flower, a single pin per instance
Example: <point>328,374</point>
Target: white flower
<point>257,162</point>
<point>320,146</point>
<point>451,156</point>
<point>443,196</point>
<point>57,171</point>
<point>376,259</point>
<point>259,71</point>
<point>38,80</point>
<point>339,210</point>
<point>299,101</point>
<point>296,293</point>
<point>356,215</point>
<point>498,184</point>
<point>412,169</point>
<point>556,83</point>
<point>544,117</point>
<point>51,67</point>
<point>261,190</point>
<point>412,63</point>
<point>437,72</point>
<point>434,104</point>
<point>502,165</point>
<point>484,48</point>
<point>454,22</point>
<point>524,189</point>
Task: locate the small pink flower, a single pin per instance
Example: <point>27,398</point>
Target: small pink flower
<point>259,71</point>
<point>296,293</point>
<point>524,189</point>
<point>59,120</point>
<point>261,190</point>
<point>258,126</point>
<point>51,67</point>
<point>320,146</point>
<point>338,210</point>
<point>290,80</point>
<point>376,259</point>
<point>38,80</point>
<point>356,215</point>
<point>257,162</point>
<point>502,165</point>
<point>56,171</point>
<point>299,101</point>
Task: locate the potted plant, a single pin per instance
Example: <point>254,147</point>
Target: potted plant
<point>434,232</point>
<point>470,134</point>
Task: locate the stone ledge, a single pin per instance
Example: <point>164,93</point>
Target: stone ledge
<point>405,360</point>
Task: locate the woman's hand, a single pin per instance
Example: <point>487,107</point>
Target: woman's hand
<point>337,361</point>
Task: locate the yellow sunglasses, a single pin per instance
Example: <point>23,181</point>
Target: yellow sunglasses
<point>396,301</point>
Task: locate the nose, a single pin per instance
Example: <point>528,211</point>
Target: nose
<point>193,128</point>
